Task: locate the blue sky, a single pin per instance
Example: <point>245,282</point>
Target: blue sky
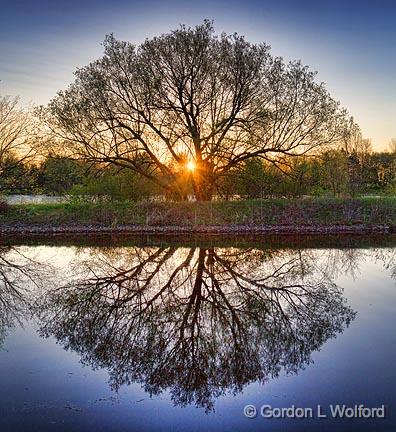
<point>350,43</point>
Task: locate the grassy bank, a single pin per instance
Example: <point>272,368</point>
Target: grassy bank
<point>272,212</point>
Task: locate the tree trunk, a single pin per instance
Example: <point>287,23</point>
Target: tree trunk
<point>203,183</point>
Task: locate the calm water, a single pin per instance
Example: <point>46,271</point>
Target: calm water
<point>34,199</point>
<point>183,337</point>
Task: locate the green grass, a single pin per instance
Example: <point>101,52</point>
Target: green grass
<point>312,211</point>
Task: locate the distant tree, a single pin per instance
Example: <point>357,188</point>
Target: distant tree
<point>354,173</point>
<point>383,172</point>
<point>392,145</point>
<point>335,172</point>
<point>295,181</point>
<point>353,142</point>
<point>18,178</point>
<point>15,125</point>
<point>190,96</point>
<point>58,174</point>
<point>112,184</point>
<point>255,180</point>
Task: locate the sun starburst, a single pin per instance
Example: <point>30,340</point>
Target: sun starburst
<point>191,165</point>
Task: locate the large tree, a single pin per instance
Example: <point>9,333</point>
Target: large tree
<point>188,106</point>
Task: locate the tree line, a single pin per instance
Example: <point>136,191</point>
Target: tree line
<point>332,173</point>
<point>190,114</point>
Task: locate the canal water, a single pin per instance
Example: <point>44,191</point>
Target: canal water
<point>196,335</point>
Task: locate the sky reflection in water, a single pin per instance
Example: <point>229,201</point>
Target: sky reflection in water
<point>181,338</point>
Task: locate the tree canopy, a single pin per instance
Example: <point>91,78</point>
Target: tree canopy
<point>188,106</point>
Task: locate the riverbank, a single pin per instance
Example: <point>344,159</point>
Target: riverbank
<point>212,230</point>
<point>270,216</point>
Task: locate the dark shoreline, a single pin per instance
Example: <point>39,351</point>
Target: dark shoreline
<point>238,240</point>
<point>357,229</point>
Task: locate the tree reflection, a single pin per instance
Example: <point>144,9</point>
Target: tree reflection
<point>17,273</point>
<point>196,321</point>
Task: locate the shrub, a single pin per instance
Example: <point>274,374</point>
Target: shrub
<point>4,206</point>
